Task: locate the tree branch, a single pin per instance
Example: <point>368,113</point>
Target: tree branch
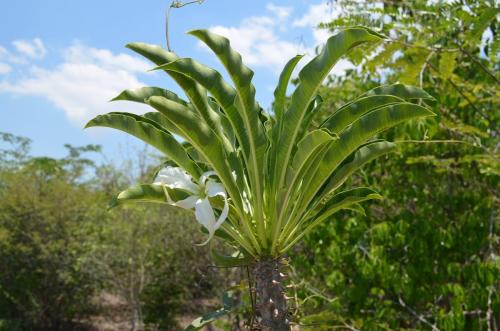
<point>419,317</point>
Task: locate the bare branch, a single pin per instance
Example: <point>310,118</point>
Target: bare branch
<point>419,317</point>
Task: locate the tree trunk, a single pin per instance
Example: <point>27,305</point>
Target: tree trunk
<point>270,295</point>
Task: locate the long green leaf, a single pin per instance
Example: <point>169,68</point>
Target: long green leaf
<point>155,53</point>
<point>280,91</point>
<point>151,133</point>
<point>224,96</point>
<point>307,150</point>
<point>361,157</point>
<point>163,122</point>
<point>348,114</point>
<point>357,134</point>
<point>238,259</point>
<point>143,93</point>
<point>342,200</point>
<point>311,77</point>
<point>194,92</point>
<point>402,91</point>
<point>248,108</point>
<point>146,193</point>
<point>229,304</point>
<point>206,143</point>
<point>195,79</point>
<point>211,79</point>
<point>312,110</point>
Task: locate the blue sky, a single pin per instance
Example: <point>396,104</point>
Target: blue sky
<point>60,60</point>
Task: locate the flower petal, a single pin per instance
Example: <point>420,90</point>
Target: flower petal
<point>205,216</point>
<point>204,213</point>
<point>213,188</point>
<point>188,203</point>
<point>205,175</point>
<point>175,177</point>
<point>223,214</point>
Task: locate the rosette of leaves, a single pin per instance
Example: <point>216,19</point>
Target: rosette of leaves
<point>282,174</point>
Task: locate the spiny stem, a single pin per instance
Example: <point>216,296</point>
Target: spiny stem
<point>250,289</point>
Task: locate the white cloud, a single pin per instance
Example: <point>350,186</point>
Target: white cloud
<point>83,83</point>
<point>3,52</point>
<point>260,42</point>
<point>280,12</point>
<point>257,40</point>
<point>4,68</point>
<point>34,49</point>
<point>319,13</point>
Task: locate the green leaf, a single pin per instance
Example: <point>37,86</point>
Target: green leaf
<point>481,23</point>
<point>351,112</point>
<point>143,93</point>
<point>151,133</point>
<point>196,94</point>
<point>344,200</point>
<point>447,64</point>
<point>155,53</point>
<point>195,79</point>
<point>313,109</point>
<point>359,158</point>
<point>229,304</point>
<point>237,259</point>
<point>412,63</point>
<point>163,122</point>
<point>356,135</point>
<point>146,193</point>
<point>308,147</point>
<point>310,79</point>
<point>307,152</point>
<point>248,108</point>
<point>280,91</point>
<point>206,142</point>
<point>200,136</point>
<point>209,78</point>
<point>402,91</point>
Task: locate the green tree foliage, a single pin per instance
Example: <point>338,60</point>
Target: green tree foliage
<point>426,257</point>
<point>46,278</point>
<point>61,250</point>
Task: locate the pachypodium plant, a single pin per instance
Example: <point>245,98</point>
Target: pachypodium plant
<point>259,181</point>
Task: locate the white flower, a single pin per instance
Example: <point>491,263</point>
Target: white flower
<point>176,178</point>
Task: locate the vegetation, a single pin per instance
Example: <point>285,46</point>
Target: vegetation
<point>61,251</point>
<point>423,256</point>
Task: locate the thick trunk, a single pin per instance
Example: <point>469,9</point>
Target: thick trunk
<point>270,294</point>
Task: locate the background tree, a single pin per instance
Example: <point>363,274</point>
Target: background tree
<point>46,221</point>
<point>427,256</point>
<point>63,255</point>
